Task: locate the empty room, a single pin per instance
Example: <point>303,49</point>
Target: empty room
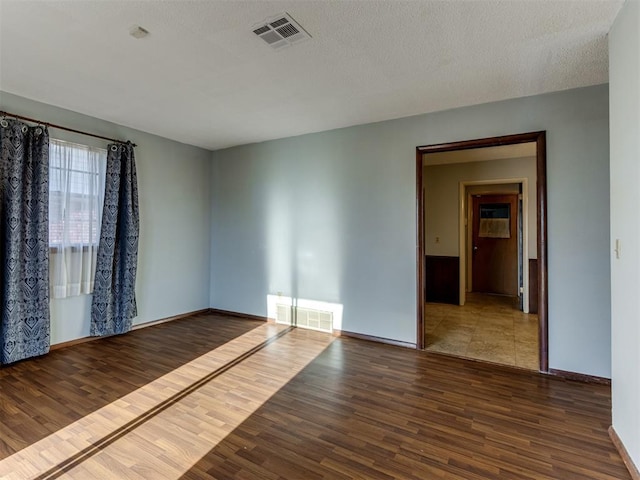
<point>319,239</point>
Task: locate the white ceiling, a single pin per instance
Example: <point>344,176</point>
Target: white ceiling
<point>203,78</point>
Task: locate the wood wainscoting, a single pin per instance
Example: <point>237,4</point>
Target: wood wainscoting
<point>442,279</point>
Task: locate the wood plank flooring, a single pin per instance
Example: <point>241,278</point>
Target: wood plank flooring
<point>220,397</point>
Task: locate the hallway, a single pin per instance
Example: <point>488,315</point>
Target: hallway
<point>487,327</point>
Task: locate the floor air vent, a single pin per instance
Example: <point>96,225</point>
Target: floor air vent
<point>280,31</point>
<point>305,318</point>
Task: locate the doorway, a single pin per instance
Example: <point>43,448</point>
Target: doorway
<point>494,274</point>
<point>519,242</point>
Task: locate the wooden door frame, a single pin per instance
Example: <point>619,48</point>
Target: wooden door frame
<point>541,199</point>
<point>468,261</point>
<point>462,241</point>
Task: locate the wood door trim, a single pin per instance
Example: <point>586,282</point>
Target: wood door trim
<point>481,142</point>
<point>541,199</point>
<point>463,217</point>
<point>420,250</point>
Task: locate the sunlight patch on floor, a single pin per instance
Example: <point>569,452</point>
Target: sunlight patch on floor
<point>146,434</point>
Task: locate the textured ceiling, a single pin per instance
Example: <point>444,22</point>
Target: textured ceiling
<point>202,77</point>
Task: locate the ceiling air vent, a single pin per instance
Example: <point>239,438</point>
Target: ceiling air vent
<point>280,31</point>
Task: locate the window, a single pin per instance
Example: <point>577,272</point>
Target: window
<point>495,220</point>
<point>76,195</point>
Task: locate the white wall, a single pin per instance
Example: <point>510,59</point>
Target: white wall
<point>331,216</point>
<point>173,183</point>
<point>441,185</point>
<point>624,73</point>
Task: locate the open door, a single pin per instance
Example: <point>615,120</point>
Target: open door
<point>495,244</point>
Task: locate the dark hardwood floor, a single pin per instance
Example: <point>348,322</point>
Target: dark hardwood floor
<point>220,397</point>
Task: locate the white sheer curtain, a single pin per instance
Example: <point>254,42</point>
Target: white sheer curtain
<point>76,194</point>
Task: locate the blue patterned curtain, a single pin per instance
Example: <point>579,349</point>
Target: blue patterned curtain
<point>24,241</point>
<point>114,300</point>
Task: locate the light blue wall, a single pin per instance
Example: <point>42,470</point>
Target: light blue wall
<point>624,71</point>
<point>173,181</point>
<point>331,216</point>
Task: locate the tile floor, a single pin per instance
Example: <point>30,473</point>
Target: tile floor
<point>487,327</point>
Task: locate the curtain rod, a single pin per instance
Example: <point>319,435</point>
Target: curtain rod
<point>59,127</point>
